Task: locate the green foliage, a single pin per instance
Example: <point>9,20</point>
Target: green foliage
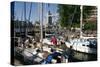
<point>87,11</point>
<point>69,15</point>
<point>75,25</point>
<point>90,26</point>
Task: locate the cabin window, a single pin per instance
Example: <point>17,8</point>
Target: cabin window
<point>83,45</point>
<point>87,45</point>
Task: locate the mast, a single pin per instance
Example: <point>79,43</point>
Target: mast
<point>25,21</point>
<point>45,19</point>
<point>81,18</point>
<point>41,22</point>
<point>30,11</point>
<point>22,20</point>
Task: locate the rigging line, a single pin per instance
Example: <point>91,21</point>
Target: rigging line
<point>22,15</point>
<point>72,15</point>
<point>30,11</point>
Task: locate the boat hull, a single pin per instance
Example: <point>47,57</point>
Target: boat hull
<point>83,49</point>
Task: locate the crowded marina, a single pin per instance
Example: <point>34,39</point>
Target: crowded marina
<point>49,43</point>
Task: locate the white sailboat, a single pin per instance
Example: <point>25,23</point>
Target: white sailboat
<point>83,44</point>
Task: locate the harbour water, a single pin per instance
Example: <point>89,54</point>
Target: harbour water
<point>76,56</point>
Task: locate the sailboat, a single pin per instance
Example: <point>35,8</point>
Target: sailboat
<point>83,44</point>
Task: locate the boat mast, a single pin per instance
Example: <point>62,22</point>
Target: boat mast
<point>81,18</point>
<point>41,22</point>
<point>25,19</point>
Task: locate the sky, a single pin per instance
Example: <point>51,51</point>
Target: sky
<point>19,11</point>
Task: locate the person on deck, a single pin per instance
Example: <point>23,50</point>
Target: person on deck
<point>54,40</point>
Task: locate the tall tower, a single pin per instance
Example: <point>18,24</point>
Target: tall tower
<point>49,18</point>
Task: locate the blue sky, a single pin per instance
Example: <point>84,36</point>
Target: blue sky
<point>19,10</point>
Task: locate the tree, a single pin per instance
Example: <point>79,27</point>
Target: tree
<point>88,11</point>
<point>90,26</point>
<point>69,15</point>
<point>89,22</point>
